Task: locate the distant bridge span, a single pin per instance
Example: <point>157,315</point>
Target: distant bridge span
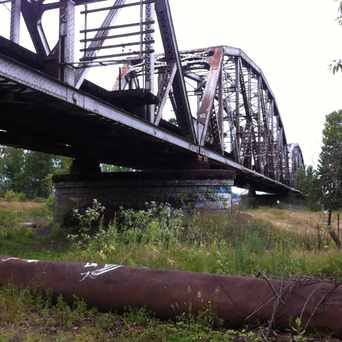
<point>225,115</point>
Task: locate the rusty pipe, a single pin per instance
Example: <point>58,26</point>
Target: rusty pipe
<point>237,301</point>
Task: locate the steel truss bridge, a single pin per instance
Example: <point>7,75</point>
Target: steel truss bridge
<point>208,108</point>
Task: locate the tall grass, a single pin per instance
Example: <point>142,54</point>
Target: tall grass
<point>216,243</point>
<point>32,316</point>
<point>163,238</point>
<point>160,238</point>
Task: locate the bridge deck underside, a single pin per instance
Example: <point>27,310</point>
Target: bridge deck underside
<point>54,127</point>
<point>40,113</point>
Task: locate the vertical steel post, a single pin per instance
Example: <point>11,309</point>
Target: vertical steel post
<point>100,35</point>
<point>150,56</point>
<point>221,107</point>
<point>260,118</point>
<point>237,107</point>
<point>272,137</point>
<point>67,41</point>
<point>251,114</point>
<point>249,94</point>
<point>15,21</point>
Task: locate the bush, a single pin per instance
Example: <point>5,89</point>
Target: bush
<point>8,219</point>
<point>158,223</point>
<point>12,196</point>
<point>50,202</point>
<point>88,222</point>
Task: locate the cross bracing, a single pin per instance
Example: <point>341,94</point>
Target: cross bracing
<point>224,112</point>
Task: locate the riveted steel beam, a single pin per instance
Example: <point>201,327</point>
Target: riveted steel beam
<point>183,111</point>
<point>100,37</point>
<point>210,91</point>
<point>32,13</point>
<point>164,92</point>
<point>15,21</point>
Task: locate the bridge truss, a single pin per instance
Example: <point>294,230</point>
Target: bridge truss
<point>166,110</point>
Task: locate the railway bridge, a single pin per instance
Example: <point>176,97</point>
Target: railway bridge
<point>187,123</point>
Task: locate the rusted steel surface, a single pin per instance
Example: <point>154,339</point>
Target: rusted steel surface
<point>238,301</point>
<point>207,102</point>
<point>215,62</point>
<point>238,124</point>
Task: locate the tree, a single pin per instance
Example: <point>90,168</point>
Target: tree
<point>37,169</point>
<point>330,168</point>
<point>29,172</point>
<point>308,183</point>
<point>330,162</point>
<point>11,169</point>
<point>336,65</point>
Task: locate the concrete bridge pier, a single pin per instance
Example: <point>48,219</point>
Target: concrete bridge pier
<point>187,189</point>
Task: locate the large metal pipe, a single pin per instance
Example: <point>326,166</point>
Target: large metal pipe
<point>237,301</point>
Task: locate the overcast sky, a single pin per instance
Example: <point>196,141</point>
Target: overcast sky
<point>293,41</point>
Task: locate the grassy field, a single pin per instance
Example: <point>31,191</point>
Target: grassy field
<point>275,242</point>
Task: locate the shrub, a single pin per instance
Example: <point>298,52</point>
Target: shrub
<point>158,223</point>
<point>88,221</point>
<point>50,202</point>
<point>12,196</point>
<point>8,219</point>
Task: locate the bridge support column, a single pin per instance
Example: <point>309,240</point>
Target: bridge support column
<point>15,21</point>
<point>190,189</point>
<point>67,41</point>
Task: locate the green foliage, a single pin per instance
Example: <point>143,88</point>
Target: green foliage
<point>158,237</point>
<point>50,202</point>
<point>11,196</point>
<point>308,183</point>
<point>28,172</point>
<point>37,168</point>
<point>298,330</point>
<point>8,219</point>
<point>88,222</point>
<point>159,224</point>
<point>62,165</point>
<point>106,168</point>
<point>161,237</point>
<point>336,65</point>
<point>330,162</point>
<point>11,169</point>
<point>53,319</point>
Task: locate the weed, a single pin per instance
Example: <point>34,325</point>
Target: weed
<point>88,222</point>
<point>11,196</point>
<point>8,219</point>
<point>158,237</point>
<point>298,330</point>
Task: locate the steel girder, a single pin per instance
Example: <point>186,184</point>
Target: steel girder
<point>72,72</point>
<point>15,77</point>
<point>237,114</point>
<point>236,104</point>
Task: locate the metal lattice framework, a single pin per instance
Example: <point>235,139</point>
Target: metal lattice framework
<point>220,99</point>
<point>237,114</point>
